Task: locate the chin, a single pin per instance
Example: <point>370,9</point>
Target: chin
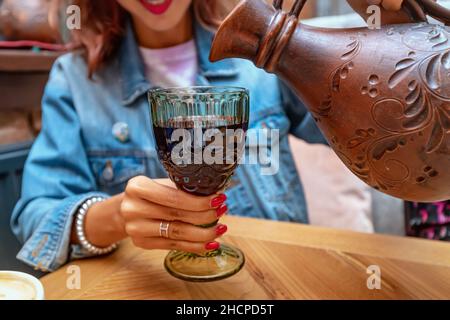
<point>160,26</point>
<point>163,15</point>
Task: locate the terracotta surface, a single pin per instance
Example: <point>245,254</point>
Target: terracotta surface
<point>381,97</point>
<point>20,20</point>
<point>283,261</point>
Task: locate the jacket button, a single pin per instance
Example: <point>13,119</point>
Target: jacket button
<point>108,172</point>
<point>121,132</point>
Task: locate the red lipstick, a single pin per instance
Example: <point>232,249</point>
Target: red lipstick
<point>156,6</point>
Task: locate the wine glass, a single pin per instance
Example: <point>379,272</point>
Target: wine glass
<point>200,138</point>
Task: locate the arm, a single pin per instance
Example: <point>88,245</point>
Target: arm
<point>56,180</point>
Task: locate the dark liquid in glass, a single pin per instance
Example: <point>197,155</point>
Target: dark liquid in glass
<point>195,173</point>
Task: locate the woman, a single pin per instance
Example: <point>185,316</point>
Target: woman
<point>95,157</point>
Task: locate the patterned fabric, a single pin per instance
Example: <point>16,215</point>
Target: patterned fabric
<point>428,220</point>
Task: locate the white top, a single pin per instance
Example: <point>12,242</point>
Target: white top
<point>171,67</point>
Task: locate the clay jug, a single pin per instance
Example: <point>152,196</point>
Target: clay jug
<point>380,97</point>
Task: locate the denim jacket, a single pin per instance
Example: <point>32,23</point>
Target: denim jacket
<point>77,155</point>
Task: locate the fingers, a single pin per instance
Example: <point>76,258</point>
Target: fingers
<point>165,195</point>
<point>136,208</point>
<point>177,231</point>
<point>168,244</point>
<point>166,182</point>
<point>392,5</point>
<point>147,202</point>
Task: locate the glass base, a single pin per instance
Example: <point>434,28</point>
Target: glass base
<point>215,265</point>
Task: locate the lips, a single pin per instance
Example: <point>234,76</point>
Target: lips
<point>156,6</point>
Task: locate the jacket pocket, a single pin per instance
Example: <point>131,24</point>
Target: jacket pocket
<point>113,172</point>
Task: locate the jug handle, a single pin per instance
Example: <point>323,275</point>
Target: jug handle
<point>278,4</point>
<point>296,9</point>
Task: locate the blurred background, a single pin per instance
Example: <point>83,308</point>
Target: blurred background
<point>28,48</point>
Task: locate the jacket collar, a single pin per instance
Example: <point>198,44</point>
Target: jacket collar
<point>131,66</point>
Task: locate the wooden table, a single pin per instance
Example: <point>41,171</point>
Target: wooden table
<point>284,261</point>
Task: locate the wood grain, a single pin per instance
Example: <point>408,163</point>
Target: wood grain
<point>283,261</point>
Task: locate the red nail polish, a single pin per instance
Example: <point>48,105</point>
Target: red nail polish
<point>221,229</point>
<point>218,201</point>
<point>212,246</point>
<point>221,210</point>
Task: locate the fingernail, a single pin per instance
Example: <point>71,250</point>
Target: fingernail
<point>221,229</point>
<point>221,210</point>
<point>218,201</point>
<point>212,246</point>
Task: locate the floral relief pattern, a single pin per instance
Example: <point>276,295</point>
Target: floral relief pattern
<point>423,112</point>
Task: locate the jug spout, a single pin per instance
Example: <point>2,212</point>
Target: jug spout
<point>249,23</point>
<point>380,97</point>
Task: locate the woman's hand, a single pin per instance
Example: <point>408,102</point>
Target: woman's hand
<point>390,10</point>
<point>146,203</point>
<point>138,212</point>
<point>391,5</point>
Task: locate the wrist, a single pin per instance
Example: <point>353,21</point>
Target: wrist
<point>103,224</point>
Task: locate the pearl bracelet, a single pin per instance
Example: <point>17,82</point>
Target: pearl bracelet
<point>79,221</point>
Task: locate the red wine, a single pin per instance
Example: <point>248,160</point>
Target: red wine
<point>200,153</point>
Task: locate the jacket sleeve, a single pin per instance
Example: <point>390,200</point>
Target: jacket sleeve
<point>303,125</point>
<point>57,179</point>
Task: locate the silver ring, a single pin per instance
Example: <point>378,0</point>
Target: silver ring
<point>164,229</point>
